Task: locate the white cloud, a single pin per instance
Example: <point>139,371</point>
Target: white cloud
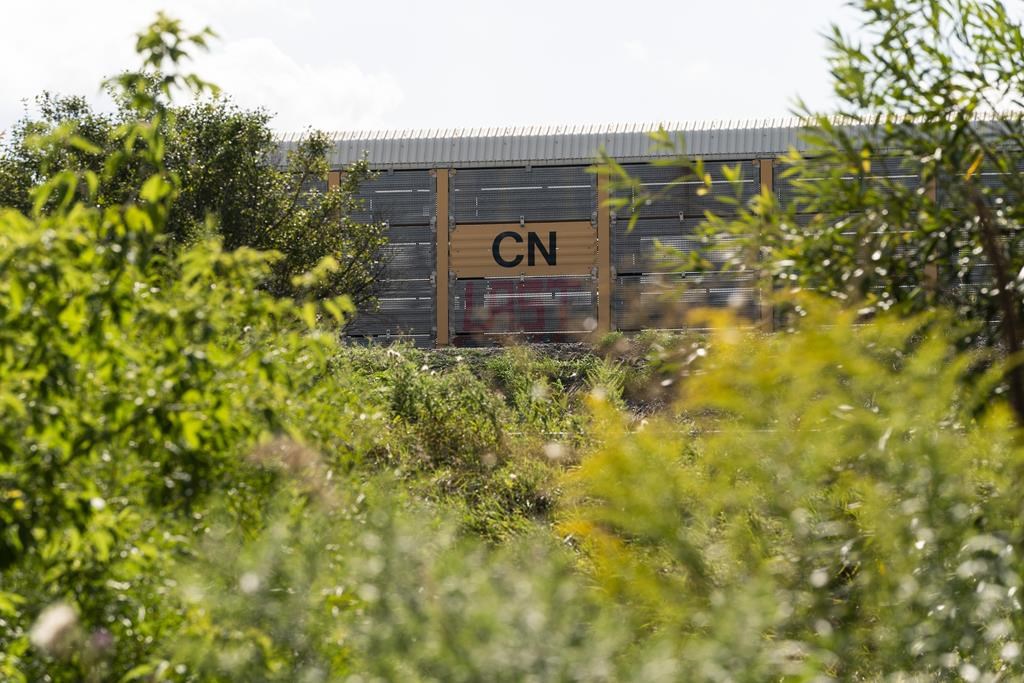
<point>69,51</point>
<point>698,70</point>
<point>407,64</point>
<point>636,51</point>
<point>80,44</point>
<point>334,96</point>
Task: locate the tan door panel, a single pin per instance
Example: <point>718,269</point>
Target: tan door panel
<point>511,249</point>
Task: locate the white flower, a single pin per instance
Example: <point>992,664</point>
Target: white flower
<point>554,451</point>
<point>249,582</point>
<point>53,627</point>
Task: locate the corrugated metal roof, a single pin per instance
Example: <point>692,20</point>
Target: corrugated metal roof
<point>468,147</point>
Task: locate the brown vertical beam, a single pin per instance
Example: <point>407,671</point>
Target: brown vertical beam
<point>767,169</point>
<point>441,249</point>
<point>604,256</point>
<point>333,179</point>
<point>767,175</point>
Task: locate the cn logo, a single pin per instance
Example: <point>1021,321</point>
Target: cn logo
<point>533,245</point>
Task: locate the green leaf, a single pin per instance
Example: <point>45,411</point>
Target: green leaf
<point>140,672</point>
<point>733,174</point>
<point>83,145</point>
<point>155,189</point>
<point>9,603</point>
<point>308,314</point>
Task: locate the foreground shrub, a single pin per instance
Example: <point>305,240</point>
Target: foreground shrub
<point>185,493</point>
<point>369,584</point>
<point>843,514</point>
<point>133,377</point>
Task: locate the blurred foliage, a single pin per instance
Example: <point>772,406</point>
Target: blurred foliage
<point>197,482</point>
<point>131,378</point>
<point>837,511</point>
<point>382,589</point>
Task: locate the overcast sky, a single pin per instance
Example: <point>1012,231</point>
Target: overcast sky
<point>374,64</point>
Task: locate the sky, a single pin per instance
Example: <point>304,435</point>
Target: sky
<point>408,64</point>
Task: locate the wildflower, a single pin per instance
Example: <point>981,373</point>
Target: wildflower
<point>54,628</point>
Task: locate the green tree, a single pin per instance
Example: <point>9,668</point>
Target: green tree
<point>909,195</point>
<point>223,156</point>
<point>922,85</point>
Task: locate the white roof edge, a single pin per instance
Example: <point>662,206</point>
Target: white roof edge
<point>686,126</point>
<point>546,130</point>
<point>574,143</point>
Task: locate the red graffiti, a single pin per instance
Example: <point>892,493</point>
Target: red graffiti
<point>536,305</point>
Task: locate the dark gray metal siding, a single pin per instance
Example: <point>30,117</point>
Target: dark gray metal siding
<point>654,286</point>
<point>405,202</point>
<point>509,195</point>
<point>883,170</point>
<point>398,198</point>
<point>675,193</point>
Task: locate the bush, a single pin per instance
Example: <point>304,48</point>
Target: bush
<point>540,389</point>
<point>374,586</point>
<point>228,185</point>
<point>842,515</point>
<point>197,483</point>
<point>916,90</point>
<point>455,440</point>
<point>134,379</point>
